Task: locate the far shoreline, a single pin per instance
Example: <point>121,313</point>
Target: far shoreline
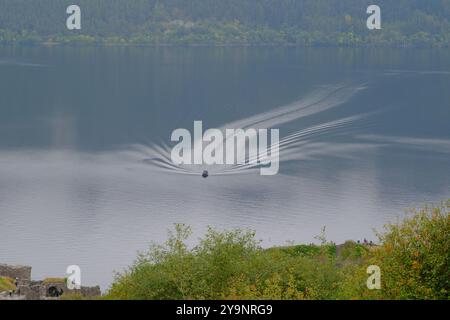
<point>100,44</point>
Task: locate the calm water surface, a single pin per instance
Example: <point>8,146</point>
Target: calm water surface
<point>367,134</point>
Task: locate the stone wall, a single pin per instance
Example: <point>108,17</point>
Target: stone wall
<point>46,289</point>
<point>38,290</point>
<point>91,291</point>
<point>30,290</point>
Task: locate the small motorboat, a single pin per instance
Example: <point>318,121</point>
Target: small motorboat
<point>205,174</point>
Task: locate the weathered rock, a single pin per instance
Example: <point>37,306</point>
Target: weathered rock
<point>10,296</point>
<point>91,291</point>
<point>30,291</point>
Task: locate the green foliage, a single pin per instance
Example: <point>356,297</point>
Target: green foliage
<point>352,250</point>
<point>229,265</point>
<point>308,250</point>
<point>6,284</point>
<point>413,256</point>
<point>287,22</point>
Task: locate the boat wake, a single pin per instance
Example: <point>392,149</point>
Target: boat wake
<point>298,145</point>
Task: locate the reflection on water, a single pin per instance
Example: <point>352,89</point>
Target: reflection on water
<point>85,170</point>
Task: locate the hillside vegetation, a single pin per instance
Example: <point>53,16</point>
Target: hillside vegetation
<point>413,256</point>
<point>293,22</point>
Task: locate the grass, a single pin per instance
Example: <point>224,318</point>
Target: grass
<point>6,284</point>
<point>53,280</point>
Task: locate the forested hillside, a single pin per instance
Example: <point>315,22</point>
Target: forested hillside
<point>300,22</point>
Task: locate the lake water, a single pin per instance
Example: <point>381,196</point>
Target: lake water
<point>85,134</point>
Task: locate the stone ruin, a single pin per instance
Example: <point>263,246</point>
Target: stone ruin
<point>27,289</point>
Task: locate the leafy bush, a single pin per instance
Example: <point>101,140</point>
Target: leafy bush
<point>413,256</point>
<point>228,265</point>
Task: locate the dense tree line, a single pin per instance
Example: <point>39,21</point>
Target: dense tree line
<point>307,22</point>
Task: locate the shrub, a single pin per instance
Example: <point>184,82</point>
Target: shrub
<point>415,255</point>
<point>225,265</point>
